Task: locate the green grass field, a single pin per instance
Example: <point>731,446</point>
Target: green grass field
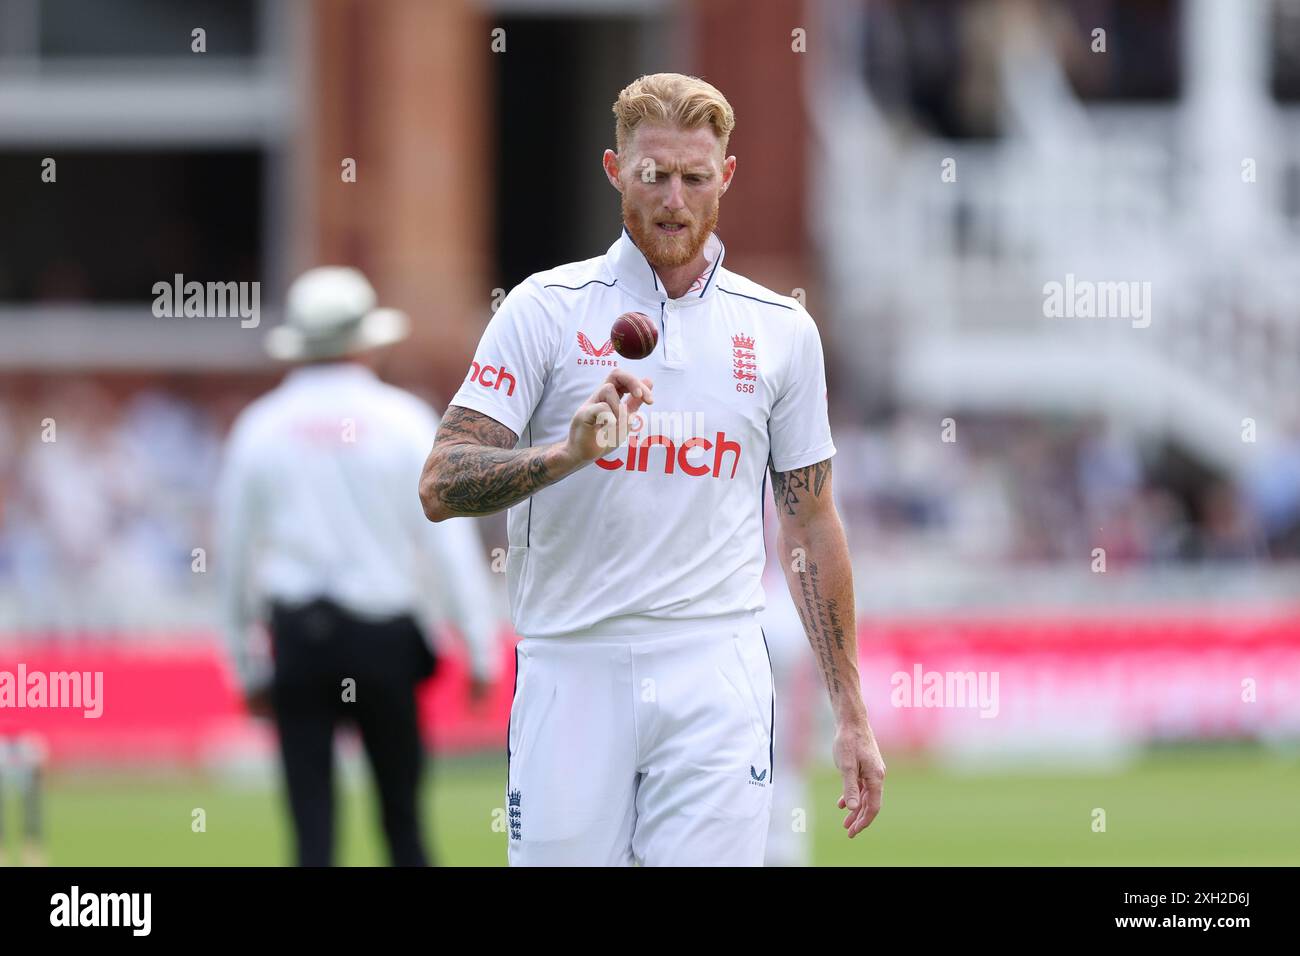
<point>1196,806</point>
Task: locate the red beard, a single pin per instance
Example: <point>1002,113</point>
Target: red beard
<point>663,251</point>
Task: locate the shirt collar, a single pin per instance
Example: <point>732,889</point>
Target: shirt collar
<point>635,274</point>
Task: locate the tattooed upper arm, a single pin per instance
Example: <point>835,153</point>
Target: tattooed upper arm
<point>475,468</point>
<point>803,492</point>
<point>464,426</point>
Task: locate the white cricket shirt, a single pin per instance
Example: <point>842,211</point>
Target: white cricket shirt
<point>668,530</point>
<point>318,498</point>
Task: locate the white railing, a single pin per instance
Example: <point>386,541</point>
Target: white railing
<point>953,272</point>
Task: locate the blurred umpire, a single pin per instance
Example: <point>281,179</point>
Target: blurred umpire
<point>318,518</point>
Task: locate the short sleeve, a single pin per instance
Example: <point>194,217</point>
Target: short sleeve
<point>512,362</point>
<point>799,426</point>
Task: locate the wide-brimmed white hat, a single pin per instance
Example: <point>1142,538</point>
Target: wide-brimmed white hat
<point>331,311</point>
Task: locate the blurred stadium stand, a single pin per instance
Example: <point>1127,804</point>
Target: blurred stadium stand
<point>1127,166</point>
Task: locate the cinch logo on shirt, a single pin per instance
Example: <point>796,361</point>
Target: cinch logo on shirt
<point>480,375</point>
<point>638,455</point>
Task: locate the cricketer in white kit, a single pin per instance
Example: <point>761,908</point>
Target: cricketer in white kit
<point>642,724</point>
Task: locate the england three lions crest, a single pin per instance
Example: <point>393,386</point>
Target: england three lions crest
<point>744,362</point>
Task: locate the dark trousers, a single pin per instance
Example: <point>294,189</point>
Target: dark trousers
<point>331,667</point>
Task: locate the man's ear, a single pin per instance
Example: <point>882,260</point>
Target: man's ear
<point>610,163</point>
<point>728,173</point>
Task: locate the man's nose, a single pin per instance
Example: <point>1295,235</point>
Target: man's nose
<point>676,198</point>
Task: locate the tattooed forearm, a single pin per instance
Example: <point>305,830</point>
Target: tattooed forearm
<point>821,620</point>
<point>820,576</point>
<point>478,480</point>
<point>791,487</point>
<point>474,468</point>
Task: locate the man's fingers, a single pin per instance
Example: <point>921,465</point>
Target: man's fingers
<point>873,792</point>
<point>853,821</point>
<point>607,394</point>
<point>606,427</point>
<point>607,411</point>
<point>611,426</point>
<point>860,819</point>
<point>865,816</point>
<point>852,795</point>
<point>863,792</point>
<point>629,384</point>
<point>620,382</point>
<point>647,396</point>
<point>639,390</point>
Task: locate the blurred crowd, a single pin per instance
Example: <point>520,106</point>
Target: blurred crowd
<point>107,494</point>
<point>104,493</point>
<point>1021,489</point>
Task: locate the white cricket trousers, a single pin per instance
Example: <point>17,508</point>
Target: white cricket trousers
<point>654,750</point>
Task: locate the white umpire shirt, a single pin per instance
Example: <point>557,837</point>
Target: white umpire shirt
<point>318,497</point>
<point>667,530</point>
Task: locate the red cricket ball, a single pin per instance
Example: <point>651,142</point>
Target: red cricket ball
<point>634,335</point>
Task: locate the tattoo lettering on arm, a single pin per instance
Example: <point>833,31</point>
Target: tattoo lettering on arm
<point>798,495</point>
<point>475,469</point>
<point>821,620</point>
<point>791,487</point>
